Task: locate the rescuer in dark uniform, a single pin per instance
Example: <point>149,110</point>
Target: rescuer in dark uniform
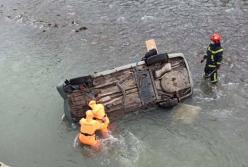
<point>213,57</point>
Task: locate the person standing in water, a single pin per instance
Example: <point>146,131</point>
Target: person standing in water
<point>100,116</point>
<point>214,58</point>
<point>88,129</point>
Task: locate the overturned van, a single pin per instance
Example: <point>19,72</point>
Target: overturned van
<point>159,79</point>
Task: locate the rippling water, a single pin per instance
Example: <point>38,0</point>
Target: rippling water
<point>44,42</point>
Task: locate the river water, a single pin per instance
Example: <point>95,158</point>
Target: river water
<point>44,42</point>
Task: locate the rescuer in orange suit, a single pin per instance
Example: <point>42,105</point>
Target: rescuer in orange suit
<point>101,116</point>
<point>88,129</point>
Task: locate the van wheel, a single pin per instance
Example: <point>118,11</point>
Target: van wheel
<point>160,58</point>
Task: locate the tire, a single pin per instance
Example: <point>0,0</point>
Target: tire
<point>169,103</point>
<point>150,53</point>
<point>160,58</point>
<point>87,80</point>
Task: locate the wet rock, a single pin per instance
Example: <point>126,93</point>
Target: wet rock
<point>81,29</point>
<point>55,25</point>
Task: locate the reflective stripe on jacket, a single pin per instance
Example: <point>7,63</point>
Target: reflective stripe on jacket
<point>214,55</point>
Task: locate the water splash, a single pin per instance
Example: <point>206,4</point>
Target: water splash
<point>147,18</point>
<point>128,149</point>
<point>76,143</point>
<point>124,149</point>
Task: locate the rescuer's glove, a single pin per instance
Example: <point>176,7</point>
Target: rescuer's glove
<point>204,57</point>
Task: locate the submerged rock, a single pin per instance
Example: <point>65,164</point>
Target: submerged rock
<point>56,25</point>
<point>81,29</point>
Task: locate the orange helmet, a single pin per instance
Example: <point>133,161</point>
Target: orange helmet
<point>89,114</point>
<point>92,103</point>
<point>216,38</point>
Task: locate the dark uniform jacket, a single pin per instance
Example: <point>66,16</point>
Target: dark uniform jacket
<point>214,55</point>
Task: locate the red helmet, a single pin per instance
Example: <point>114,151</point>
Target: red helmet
<point>216,37</point>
